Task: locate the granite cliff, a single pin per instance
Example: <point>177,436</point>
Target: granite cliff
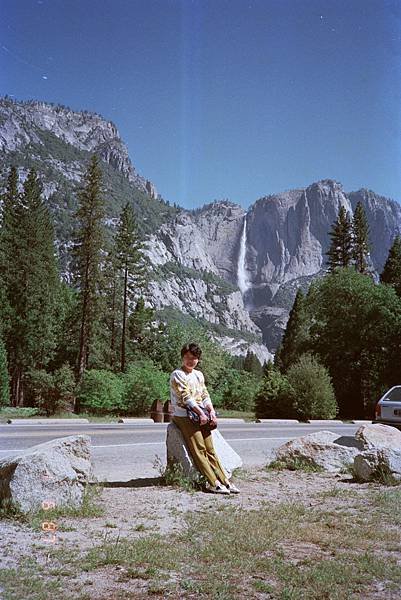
<point>235,270</point>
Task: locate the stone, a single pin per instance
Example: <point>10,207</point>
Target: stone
<point>373,463</point>
<point>55,471</point>
<point>177,452</point>
<point>377,435</point>
<point>323,449</point>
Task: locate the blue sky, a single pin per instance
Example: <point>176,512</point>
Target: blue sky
<point>223,98</point>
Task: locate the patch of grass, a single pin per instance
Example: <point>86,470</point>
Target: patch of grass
<point>28,581</point>
<point>35,518</point>
<point>235,414</point>
<point>341,554</point>
<point>294,464</point>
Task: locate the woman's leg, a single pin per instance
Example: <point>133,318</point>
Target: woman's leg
<point>213,458</point>
<point>196,445</point>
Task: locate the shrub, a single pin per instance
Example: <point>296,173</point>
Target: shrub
<point>239,390</point>
<point>101,392</point>
<point>143,383</point>
<point>275,397</point>
<point>52,392</point>
<point>313,394</point>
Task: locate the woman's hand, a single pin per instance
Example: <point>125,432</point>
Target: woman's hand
<point>203,418</point>
<point>213,417</point>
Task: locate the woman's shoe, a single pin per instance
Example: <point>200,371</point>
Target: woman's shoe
<point>232,488</point>
<point>219,488</point>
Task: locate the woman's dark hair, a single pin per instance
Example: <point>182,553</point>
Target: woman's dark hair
<point>193,348</point>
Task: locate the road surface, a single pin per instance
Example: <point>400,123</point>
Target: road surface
<point>125,451</point>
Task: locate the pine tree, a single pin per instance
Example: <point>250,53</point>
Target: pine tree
<point>340,251</point>
<point>392,269</point>
<point>131,267</point>
<point>360,243</point>
<point>113,306</point>
<point>87,255</point>
<point>252,363</point>
<point>4,381</point>
<point>31,282</point>
<point>294,335</point>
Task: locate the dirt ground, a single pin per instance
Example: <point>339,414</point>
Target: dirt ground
<point>145,507</point>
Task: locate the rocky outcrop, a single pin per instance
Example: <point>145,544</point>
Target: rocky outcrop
<point>31,126</point>
<point>57,471</point>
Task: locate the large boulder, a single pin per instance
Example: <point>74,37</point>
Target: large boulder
<point>377,435</point>
<point>378,464</point>
<point>177,452</point>
<point>380,459</point>
<point>55,471</point>
<point>323,449</point>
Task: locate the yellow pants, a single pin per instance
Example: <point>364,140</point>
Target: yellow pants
<point>200,445</point>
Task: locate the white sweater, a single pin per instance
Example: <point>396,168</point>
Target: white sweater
<point>187,390</point>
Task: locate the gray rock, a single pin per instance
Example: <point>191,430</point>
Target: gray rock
<point>56,470</point>
<point>178,452</point>
<point>323,449</point>
<point>377,463</point>
<point>377,435</point>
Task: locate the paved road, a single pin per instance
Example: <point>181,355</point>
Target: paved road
<point>124,451</point>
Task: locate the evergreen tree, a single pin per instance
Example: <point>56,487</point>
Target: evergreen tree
<point>113,293</point>
<point>87,254</point>
<point>274,398</point>
<point>340,251</point>
<point>252,364</point>
<point>360,235</point>
<point>4,382</point>
<point>294,336</point>
<point>131,268</point>
<point>31,282</point>
<point>392,269</point>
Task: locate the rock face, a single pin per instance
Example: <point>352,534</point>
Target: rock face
<point>34,124</point>
<point>281,248</point>
<point>56,471</point>
<point>178,452</point>
<point>323,449</point>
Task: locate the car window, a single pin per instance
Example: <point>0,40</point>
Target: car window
<point>394,395</point>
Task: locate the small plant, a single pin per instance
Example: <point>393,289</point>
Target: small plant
<point>173,474</point>
<point>294,464</point>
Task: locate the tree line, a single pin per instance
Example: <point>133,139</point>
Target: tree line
<point>341,349</point>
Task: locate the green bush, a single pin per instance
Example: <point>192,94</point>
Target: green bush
<point>238,391</point>
<point>101,392</point>
<point>275,397</point>
<point>143,383</point>
<point>52,392</point>
<point>313,394</point>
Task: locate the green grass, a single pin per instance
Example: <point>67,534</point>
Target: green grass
<point>294,464</point>
<point>236,414</point>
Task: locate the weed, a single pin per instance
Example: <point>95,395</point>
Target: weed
<point>295,464</point>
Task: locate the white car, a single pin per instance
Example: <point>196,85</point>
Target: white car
<point>388,408</point>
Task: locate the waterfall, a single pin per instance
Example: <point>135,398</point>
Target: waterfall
<point>242,278</point>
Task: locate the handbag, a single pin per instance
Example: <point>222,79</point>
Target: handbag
<point>194,418</point>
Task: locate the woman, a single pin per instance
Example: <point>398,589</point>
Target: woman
<point>188,390</point>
